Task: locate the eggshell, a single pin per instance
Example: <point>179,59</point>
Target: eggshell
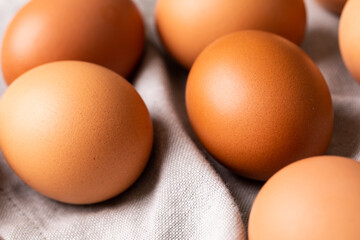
<point>257,102</point>
<point>75,131</point>
<point>335,6</point>
<point>186,27</point>
<point>105,32</point>
<point>313,199</point>
<point>349,37</point>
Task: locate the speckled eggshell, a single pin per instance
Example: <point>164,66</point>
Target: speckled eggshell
<point>105,32</point>
<point>335,6</point>
<point>186,27</point>
<point>349,37</point>
<point>75,132</point>
<point>313,199</point>
<point>257,102</point>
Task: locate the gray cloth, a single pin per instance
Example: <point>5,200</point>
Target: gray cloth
<point>184,193</point>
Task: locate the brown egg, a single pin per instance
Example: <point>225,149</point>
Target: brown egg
<point>349,37</point>
<point>186,27</point>
<point>335,6</point>
<point>105,32</point>
<point>257,103</point>
<point>313,199</point>
<point>75,131</point>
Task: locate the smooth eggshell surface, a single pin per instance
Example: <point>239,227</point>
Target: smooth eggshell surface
<point>313,199</point>
<point>186,27</point>
<point>105,32</point>
<point>335,6</point>
<point>75,132</point>
<point>257,103</point>
<point>349,37</point>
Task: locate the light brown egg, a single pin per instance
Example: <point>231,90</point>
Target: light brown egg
<point>105,32</point>
<point>313,199</point>
<point>257,102</point>
<point>349,37</point>
<point>186,27</point>
<point>75,132</point>
<point>335,6</point>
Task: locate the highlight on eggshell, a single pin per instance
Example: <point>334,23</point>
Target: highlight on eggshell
<point>257,103</point>
<point>316,198</point>
<point>335,6</point>
<point>106,32</point>
<point>75,132</point>
<point>187,27</point>
<point>349,37</point>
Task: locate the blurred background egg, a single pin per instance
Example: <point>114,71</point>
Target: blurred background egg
<point>349,37</point>
<point>105,32</point>
<point>335,6</point>
<point>75,132</point>
<point>186,27</point>
<point>317,198</point>
<point>257,102</point>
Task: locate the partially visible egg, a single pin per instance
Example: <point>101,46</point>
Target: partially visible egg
<point>186,27</point>
<point>75,132</point>
<point>313,199</point>
<point>257,102</point>
<point>335,6</point>
<point>349,37</point>
<point>105,32</point>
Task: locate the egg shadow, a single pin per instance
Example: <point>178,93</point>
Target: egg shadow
<point>177,82</point>
<point>1,185</point>
<point>320,44</point>
<point>346,134</point>
<point>2,159</point>
<point>245,199</point>
<point>4,167</point>
<point>243,190</point>
<point>3,181</point>
<point>136,69</point>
